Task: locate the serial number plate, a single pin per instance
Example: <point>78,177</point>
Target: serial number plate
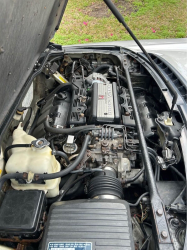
<point>70,246</point>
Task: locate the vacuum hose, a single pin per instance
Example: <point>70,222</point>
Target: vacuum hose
<point>65,130</point>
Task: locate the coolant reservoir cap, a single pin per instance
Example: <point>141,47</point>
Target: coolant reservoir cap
<point>40,143</point>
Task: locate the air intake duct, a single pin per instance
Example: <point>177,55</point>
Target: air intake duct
<point>105,187</point>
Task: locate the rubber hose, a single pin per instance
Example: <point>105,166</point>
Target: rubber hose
<point>49,138</point>
<point>130,180</point>
<point>138,201</point>
<point>14,146</point>
<point>65,130</point>
<point>28,120</point>
<point>177,172</point>
<point>158,174</point>
<point>152,157</point>
<point>152,151</point>
<point>117,76</point>
<point>68,191</point>
<point>70,168</point>
<point>61,154</point>
<point>73,183</point>
<point>122,78</point>
<point>72,191</point>
<point>60,88</point>
<point>7,177</point>
<point>67,185</point>
<point>101,68</point>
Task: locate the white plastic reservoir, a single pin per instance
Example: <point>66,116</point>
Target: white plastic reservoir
<point>32,160</point>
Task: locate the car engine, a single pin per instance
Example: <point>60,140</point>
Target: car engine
<point>76,166</point>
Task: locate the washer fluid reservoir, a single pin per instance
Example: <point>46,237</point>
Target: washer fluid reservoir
<point>35,159</point>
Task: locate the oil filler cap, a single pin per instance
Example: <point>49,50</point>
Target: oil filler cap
<point>40,143</point>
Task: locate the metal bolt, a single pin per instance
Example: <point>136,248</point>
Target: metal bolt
<point>104,143</point>
<point>164,234</point>
<point>175,222</point>
<point>159,212</point>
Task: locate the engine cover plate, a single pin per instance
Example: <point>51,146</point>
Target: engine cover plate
<point>105,104</point>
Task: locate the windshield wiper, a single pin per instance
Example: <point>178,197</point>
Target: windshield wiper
<point>120,18</point>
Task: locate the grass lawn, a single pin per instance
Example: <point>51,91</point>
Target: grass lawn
<point>87,21</point>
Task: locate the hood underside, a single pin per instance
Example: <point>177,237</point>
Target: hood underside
<point>26,27</point>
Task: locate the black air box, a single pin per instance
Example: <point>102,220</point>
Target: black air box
<point>21,212</point>
<point>89,225</point>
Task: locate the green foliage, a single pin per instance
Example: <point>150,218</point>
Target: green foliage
<point>149,19</point>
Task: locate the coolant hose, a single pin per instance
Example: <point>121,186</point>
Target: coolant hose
<point>14,146</point>
<point>14,176</point>
<point>65,130</point>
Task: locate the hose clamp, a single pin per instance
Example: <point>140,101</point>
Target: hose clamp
<point>30,177</point>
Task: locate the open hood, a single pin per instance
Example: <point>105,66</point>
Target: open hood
<point>26,27</point>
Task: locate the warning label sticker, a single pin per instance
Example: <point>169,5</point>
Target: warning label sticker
<point>70,246</point>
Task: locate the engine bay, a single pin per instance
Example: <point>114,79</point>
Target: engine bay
<point>76,160</point>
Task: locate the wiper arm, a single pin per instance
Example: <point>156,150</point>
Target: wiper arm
<point>120,18</point>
